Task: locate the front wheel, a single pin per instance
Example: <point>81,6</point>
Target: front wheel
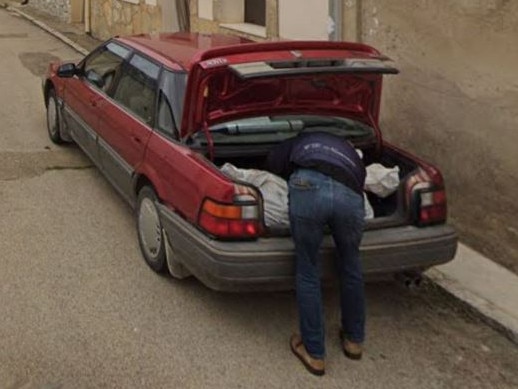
<point>53,122</point>
<point>149,228</point>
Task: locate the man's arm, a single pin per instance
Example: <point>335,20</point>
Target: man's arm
<point>278,160</point>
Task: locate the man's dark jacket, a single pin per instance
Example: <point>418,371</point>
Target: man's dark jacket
<point>320,151</point>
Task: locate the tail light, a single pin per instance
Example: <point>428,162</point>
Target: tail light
<point>427,197</point>
<point>242,219</point>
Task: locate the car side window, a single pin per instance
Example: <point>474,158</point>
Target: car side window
<point>171,93</point>
<point>103,66</point>
<point>136,87</point>
<point>165,119</point>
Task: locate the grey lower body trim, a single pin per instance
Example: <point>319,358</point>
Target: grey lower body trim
<point>268,263</point>
<point>81,133</point>
<point>116,170</point>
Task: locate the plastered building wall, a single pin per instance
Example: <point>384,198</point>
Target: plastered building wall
<point>455,103</point>
<point>313,23</point>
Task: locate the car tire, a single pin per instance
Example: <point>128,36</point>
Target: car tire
<point>53,119</point>
<point>149,230</point>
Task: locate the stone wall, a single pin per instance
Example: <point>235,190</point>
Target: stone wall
<point>455,103</point>
<point>58,8</point>
<point>117,17</point>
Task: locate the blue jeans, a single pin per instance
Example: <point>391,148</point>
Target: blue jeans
<point>316,200</point>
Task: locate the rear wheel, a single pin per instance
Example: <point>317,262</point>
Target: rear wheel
<point>53,120</point>
<point>150,236</point>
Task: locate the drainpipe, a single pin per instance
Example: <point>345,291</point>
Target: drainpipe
<point>335,20</point>
<point>359,20</point>
<point>87,16</point>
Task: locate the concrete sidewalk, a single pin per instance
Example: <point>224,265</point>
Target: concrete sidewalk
<point>71,34</point>
<point>486,287</point>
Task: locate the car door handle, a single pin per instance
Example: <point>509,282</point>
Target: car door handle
<point>94,101</point>
<point>136,139</point>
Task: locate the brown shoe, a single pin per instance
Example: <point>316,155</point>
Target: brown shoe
<point>314,366</point>
<point>351,350</point>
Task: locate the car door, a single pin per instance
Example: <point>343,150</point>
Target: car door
<point>168,157</point>
<point>86,94</point>
<point>126,121</point>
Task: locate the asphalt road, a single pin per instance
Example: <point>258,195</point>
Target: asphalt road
<point>80,309</point>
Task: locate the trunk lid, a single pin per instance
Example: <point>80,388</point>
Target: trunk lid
<point>262,79</point>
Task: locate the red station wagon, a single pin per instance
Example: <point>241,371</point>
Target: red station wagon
<point>160,114</point>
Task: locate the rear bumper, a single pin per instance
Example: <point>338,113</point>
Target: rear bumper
<point>268,263</point>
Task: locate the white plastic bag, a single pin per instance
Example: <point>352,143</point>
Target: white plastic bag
<point>369,211</point>
<point>273,189</point>
<point>381,180</point>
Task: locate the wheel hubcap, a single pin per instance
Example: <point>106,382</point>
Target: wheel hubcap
<point>149,228</point>
<point>51,117</point>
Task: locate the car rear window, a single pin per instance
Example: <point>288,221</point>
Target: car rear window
<point>171,93</point>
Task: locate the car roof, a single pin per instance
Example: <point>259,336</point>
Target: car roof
<point>181,47</point>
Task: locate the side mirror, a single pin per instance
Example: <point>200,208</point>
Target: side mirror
<point>95,78</point>
<point>67,70</point>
